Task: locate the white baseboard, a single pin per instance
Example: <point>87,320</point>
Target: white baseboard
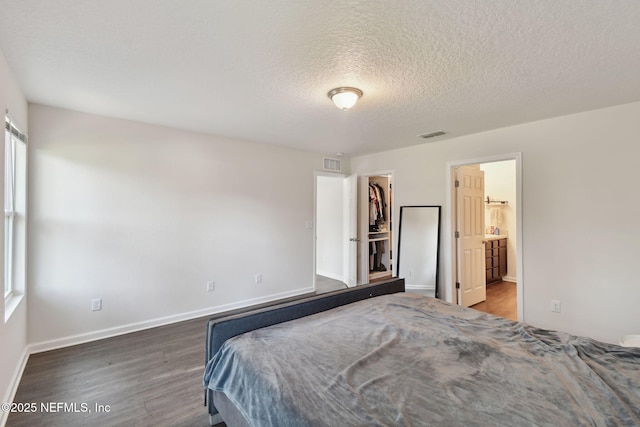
<point>509,279</point>
<point>420,287</point>
<point>139,326</point>
<point>13,386</point>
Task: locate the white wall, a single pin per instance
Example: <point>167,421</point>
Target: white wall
<point>143,216</point>
<point>13,332</point>
<point>329,227</point>
<point>580,216</point>
<point>500,184</point>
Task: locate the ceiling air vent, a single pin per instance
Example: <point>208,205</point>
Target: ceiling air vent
<point>332,165</point>
<point>432,134</point>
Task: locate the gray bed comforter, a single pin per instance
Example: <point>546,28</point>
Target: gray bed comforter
<point>408,360</point>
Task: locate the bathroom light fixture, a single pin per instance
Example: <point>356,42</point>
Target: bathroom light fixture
<point>344,97</point>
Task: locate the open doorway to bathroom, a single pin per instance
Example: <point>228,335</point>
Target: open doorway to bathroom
<point>500,239</point>
<point>497,256</point>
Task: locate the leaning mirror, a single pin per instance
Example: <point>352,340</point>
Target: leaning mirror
<point>419,247</point>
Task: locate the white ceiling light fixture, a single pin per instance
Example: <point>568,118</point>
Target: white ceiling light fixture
<point>344,97</point>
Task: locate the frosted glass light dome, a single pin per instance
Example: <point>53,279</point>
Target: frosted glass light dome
<point>345,97</point>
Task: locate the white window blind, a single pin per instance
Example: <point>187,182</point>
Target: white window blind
<point>15,202</point>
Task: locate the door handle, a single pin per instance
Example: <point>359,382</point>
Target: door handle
<point>354,239</point>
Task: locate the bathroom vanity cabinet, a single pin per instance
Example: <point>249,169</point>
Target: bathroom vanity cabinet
<point>496,258</point>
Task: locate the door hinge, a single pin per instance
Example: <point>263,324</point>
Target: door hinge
<point>457,183</point>
<point>457,285</point>
<point>457,234</point>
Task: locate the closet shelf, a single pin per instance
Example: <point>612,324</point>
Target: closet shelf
<point>498,203</point>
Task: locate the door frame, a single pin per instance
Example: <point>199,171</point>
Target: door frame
<point>317,174</point>
<point>449,247</point>
<point>363,225</point>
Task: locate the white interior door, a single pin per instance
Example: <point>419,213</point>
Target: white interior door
<point>470,236</point>
<point>350,227</point>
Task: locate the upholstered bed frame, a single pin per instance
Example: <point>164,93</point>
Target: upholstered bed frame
<point>227,325</point>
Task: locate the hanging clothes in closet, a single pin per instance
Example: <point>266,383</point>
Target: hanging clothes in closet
<point>376,249</point>
<point>377,219</point>
<point>377,205</point>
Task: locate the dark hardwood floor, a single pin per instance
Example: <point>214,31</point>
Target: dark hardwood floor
<point>501,300</point>
<point>326,284</point>
<point>146,378</point>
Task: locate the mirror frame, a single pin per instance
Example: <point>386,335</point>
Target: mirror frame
<point>439,211</point>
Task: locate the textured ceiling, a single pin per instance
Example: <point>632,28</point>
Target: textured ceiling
<point>260,70</point>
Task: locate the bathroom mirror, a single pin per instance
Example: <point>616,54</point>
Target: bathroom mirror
<point>419,248</point>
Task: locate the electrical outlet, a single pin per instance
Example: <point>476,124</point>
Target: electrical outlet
<point>555,306</point>
<point>96,304</point>
<point>258,278</point>
<point>210,285</point>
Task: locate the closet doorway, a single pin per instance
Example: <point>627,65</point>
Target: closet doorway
<point>376,227</point>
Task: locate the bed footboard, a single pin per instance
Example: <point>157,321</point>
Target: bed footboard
<point>224,326</point>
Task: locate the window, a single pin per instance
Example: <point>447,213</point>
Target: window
<point>15,203</point>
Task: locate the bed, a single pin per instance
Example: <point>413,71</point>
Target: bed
<point>377,356</point>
